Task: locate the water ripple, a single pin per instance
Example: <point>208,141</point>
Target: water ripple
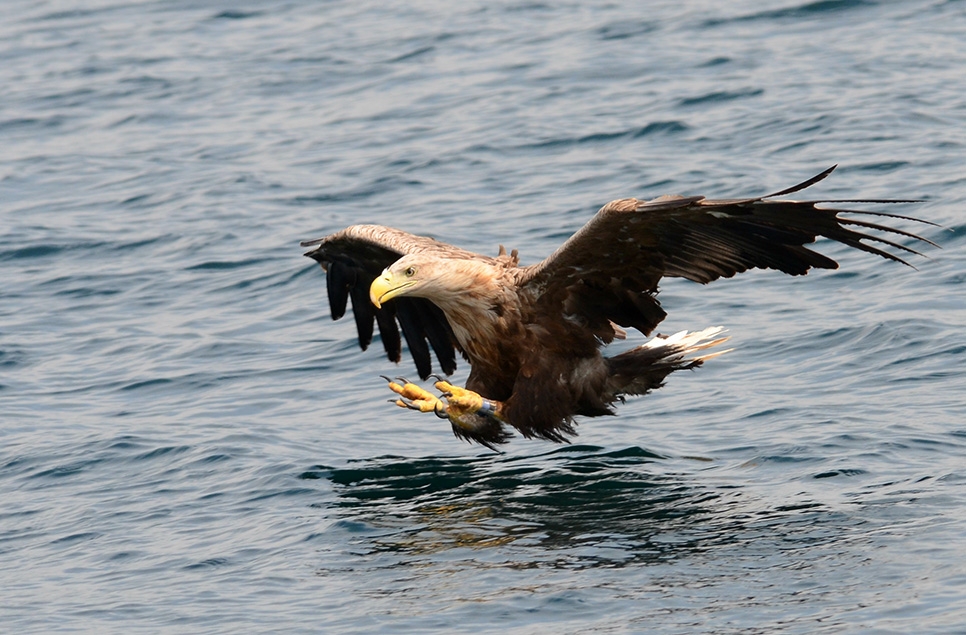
<point>190,443</point>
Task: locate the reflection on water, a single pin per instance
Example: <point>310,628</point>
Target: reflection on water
<point>574,507</point>
<point>586,531</point>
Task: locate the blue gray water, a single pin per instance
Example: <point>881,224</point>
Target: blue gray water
<point>189,444</point>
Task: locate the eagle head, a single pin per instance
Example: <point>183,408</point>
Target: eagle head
<point>410,275</point>
<point>445,281</point>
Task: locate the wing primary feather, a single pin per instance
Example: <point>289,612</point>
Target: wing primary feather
<point>801,186</point>
<point>885,254</point>
<point>865,212</point>
<point>415,336</point>
<point>388,331</point>
<point>337,284</point>
<point>439,334</point>
<point>886,228</point>
<point>362,313</point>
<point>877,201</point>
<point>884,241</point>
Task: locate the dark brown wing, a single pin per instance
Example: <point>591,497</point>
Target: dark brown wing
<point>610,269</point>
<point>352,258</point>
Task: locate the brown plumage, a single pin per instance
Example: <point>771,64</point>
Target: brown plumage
<point>533,335</point>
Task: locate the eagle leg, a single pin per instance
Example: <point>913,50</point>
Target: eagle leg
<point>473,417</point>
<point>461,401</point>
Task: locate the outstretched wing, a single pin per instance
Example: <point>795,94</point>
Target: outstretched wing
<point>610,269</point>
<point>352,258</point>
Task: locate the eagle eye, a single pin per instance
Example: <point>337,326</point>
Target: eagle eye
<point>410,272</point>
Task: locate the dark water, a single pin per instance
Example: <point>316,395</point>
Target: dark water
<point>189,444</point>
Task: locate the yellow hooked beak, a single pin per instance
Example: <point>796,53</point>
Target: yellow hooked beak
<point>385,288</point>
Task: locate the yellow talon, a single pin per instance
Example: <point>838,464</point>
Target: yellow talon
<point>460,402</point>
<point>414,397</point>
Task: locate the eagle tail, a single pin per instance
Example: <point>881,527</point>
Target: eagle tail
<point>644,368</point>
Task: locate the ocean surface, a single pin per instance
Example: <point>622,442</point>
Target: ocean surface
<point>189,444</point>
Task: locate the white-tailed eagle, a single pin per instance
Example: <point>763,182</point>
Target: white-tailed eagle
<point>533,335</point>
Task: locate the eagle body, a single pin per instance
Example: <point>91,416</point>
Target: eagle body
<point>544,370</point>
<point>535,336</point>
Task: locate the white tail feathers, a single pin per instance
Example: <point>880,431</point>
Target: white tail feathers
<point>678,346</point>
<point>644,368</point>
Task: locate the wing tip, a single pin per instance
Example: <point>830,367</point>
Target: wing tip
<point>821,176</point>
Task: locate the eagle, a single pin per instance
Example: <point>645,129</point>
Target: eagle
<point>534,335</point>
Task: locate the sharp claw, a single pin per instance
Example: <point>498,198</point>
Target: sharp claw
<point>436,377</point>
<point>404,403</point>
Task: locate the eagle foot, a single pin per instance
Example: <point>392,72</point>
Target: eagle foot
<point>415,398</point>
<point>459,401</point>
<point>473,418</point>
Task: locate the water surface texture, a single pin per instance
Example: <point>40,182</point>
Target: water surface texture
<point>189,444</point>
